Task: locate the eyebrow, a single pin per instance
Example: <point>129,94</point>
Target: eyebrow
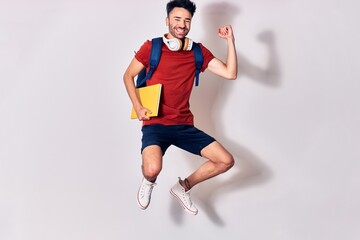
<point>188,19</point>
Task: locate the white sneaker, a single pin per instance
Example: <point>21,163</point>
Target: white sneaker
<point>183,198</point>
<point>144,193</point>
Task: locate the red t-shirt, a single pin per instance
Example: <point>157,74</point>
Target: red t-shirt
<point>176,72</point>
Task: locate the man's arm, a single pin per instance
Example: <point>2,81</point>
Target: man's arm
<point>133,69</point>
<point>226,70</point>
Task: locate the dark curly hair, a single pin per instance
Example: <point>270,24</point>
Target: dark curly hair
<point>187,4</point>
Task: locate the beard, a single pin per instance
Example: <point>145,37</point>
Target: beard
<point>174,31</point>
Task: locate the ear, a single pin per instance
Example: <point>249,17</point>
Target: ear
<point>167,21</point>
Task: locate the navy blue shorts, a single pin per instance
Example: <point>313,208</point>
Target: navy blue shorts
<point>186,137</point>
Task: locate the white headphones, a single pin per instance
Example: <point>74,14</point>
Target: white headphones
<point>175,44</point>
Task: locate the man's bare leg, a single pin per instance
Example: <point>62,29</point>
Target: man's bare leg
<point>151,167</point>
<point>219,161</point>
<point>151,162</point>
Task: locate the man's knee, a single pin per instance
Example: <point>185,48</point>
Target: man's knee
<point>151,171</point>
<point>152,162</point>
<point>226,162</point>
<point>216,153</point>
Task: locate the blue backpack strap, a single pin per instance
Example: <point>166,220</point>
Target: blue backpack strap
<point>156,45</point>
<point>140,82</point>
<point>199,60</point>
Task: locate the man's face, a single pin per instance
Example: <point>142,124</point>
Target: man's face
<point>179,22</point>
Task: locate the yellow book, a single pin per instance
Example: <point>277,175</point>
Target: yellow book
<point>149,97</point>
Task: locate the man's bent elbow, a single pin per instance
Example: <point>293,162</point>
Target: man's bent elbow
<point>232,76</point>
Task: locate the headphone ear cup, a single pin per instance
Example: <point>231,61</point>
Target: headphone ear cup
<point>173,44</point>
<point>187,44</point>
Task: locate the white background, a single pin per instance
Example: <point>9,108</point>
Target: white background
<point>70,155</point>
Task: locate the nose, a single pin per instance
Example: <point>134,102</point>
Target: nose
<point>182,24</point>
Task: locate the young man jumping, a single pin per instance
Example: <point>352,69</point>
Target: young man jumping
<point>175,123</point>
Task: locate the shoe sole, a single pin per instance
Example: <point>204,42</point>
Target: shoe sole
<point>182,204</point>
<point>139,204</point>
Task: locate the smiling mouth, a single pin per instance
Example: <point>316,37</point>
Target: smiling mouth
<point>180,31</point>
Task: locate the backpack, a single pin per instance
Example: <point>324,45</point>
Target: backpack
<point>155,55</point>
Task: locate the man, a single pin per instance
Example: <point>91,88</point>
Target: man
<point>174,125</point>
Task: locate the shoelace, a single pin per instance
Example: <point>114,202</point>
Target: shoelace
<point>186,197</point>
<point>146,188</point>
